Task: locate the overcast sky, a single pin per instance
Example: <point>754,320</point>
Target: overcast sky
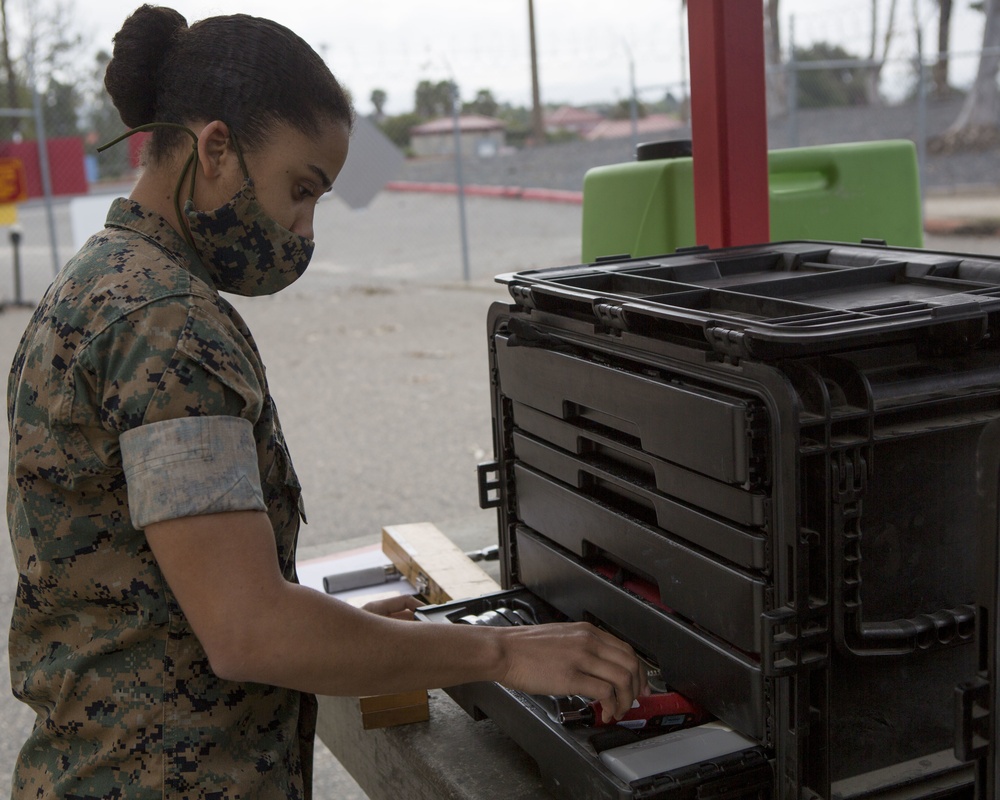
<point>584,46</point>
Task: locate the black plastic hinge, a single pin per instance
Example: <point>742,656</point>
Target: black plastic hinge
<point>794,641</point>
<point>973,720</point>
<point>489,484</point>
<point>522,295</point>
<point>726,341</point>
<point>874,242</point>
<point>610,315</point>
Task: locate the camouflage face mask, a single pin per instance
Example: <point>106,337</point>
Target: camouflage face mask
<point>243,249</point>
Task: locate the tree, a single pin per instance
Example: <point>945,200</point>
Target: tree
<point>833,86</point>
<point>397,128</point>
<point>623,110</point>
<point>378,98</point>
<point>8,64</point>
<point>40,51</point>
<point>59,103</point>
<point>484,104</point>
<point>939,73</point>
<point>102,122</point>
<point>434,99</point>
<point>978,124</point>
<point>876,58</point>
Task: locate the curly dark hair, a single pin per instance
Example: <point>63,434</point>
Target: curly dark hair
<point>249,72</point>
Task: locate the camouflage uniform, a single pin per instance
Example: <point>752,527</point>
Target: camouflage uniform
<point>133,334</point>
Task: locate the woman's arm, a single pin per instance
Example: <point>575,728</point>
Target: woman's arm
<point>256,626</point>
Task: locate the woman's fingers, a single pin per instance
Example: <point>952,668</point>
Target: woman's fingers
<point>574,658</point>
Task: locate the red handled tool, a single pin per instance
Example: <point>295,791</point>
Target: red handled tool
<point>665,711</point>
<point>668,710</point>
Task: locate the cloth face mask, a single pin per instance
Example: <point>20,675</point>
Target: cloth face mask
<point>244,250</point>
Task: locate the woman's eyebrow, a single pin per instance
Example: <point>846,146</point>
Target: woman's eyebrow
<point>327,183</point>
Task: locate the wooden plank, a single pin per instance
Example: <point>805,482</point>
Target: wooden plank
<point>434,564</point>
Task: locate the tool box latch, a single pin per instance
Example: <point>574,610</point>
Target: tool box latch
<point>973,723</point>
<point>489,484</point>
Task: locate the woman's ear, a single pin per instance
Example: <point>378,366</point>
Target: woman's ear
<point>214,149</point>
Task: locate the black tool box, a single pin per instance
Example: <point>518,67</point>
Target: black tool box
<point>758,466</point>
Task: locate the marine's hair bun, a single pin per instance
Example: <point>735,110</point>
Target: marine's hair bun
<point>140,48</point>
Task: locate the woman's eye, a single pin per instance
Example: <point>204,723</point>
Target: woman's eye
<point>305,192</point>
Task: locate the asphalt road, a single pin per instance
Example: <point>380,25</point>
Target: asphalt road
<point>377,361</point>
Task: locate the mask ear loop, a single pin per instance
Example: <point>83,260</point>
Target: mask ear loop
<point>239,155</point>
<point>191,159</point>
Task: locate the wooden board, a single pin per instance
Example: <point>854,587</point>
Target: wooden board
<point>434,564</point>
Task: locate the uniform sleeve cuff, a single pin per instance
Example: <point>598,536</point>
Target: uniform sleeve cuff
<point>190,466</point>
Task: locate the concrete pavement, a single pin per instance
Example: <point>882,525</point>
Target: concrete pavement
<point>963,213</point>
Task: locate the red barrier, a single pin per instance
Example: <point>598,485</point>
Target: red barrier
<point>65,164</point>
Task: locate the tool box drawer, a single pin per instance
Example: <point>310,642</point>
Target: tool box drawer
<point>704,431</point>
<point>712,673</point>
<point>742,546</point>
<point>721,598</point>
<point>611,763</point>
<point>616,450</point>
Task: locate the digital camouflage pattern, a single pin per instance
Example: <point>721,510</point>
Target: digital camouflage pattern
<point>247,251</point>
<point>132,332</point>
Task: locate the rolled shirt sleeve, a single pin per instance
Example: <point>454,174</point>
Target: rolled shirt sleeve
<point>190,466</point>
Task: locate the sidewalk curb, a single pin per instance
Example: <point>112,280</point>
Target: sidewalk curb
<point>983,226</point>
<point>477,190</point>
<point>943,226</point>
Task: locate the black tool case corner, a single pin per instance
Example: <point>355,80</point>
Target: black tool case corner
<point>758,466</point>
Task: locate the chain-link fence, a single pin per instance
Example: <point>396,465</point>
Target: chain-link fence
<point>820,101</point>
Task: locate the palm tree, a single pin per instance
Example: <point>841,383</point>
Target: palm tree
<point>378,98</point>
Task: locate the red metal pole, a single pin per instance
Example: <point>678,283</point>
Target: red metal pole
<point>729,122</point>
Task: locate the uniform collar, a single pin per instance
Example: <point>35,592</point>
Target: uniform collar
<point>125,213</point>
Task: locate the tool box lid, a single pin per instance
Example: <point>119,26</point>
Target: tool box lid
<point>779,299</point>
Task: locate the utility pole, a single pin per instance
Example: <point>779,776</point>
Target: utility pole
<point>633,100</point>
<point>456,104</point>
<point>537,123</point>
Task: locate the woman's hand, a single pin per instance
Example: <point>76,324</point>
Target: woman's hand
<point>399,607</point>
<point>574,658</point>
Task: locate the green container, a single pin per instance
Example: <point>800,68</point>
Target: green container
<point>839,192</point>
